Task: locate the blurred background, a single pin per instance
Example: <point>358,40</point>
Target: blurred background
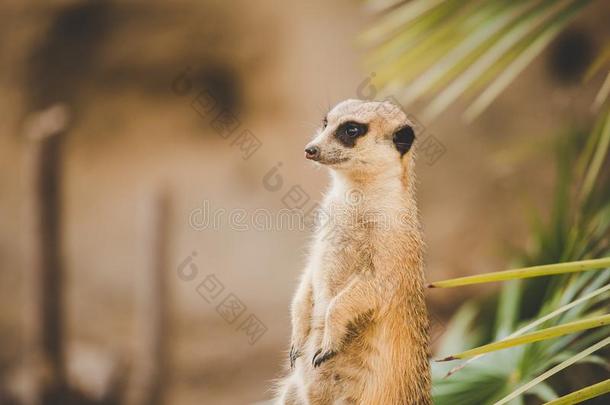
<point>127,127</point>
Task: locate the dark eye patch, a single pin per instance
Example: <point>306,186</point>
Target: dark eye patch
<point>403,139</point>
<point>349,131</point>
<point>324,122</point>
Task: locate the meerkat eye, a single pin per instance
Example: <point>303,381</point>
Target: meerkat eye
<point>353,130</point>
<point>348,132</point>
<point>324,123</point>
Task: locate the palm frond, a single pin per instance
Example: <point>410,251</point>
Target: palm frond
<point>577,229</point>
<point>449,48</point>
<point>442,51</point>
<point>598,158</point>
<point>583,394</point>
<point>554,370</point>
<point>602,94</point>
<point>526,272</point>
<point>540,321</point>
<point>525,57</point>
<point>543,334</point>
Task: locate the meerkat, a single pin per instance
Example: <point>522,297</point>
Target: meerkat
<point>359,318</point>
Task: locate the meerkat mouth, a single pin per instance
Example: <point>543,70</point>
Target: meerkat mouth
<point>333,161</point>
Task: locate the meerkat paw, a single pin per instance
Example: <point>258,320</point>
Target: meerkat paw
<point>321,356</point>
<point>295,353</point>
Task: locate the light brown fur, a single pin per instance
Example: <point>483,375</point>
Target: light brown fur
<point>361,297</point>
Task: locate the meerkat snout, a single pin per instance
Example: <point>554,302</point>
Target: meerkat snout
<point>362,135</point>
<point>312,152</point>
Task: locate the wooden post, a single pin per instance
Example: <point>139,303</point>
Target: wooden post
<point>45,357</point>
<point>150,355</point>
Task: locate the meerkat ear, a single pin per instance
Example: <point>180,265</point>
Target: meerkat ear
<point>403,139</point>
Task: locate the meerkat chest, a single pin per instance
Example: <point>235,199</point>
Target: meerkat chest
<point>342,250</point>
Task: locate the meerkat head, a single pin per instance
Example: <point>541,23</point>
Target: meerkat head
<point>362,137</point>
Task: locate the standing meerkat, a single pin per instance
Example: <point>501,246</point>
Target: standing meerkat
<point>359,319</point>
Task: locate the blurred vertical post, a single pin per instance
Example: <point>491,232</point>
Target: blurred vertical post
<point>150,357</point>
<point>45,340</point>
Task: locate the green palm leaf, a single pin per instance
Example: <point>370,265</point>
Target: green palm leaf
<point>554,371</point>
<point>598,292</point>
<point>543,334</point>
<point>581,395</point>
<point>526,272</point>
<point>522,61</point>
<point>451,47</point>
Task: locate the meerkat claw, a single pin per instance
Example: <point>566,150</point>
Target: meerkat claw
<point>294,355</point>
<point>320,357</point>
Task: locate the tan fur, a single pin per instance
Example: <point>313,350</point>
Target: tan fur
<point>361,296</point>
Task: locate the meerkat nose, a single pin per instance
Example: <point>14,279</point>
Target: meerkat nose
<point>312,152</point>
